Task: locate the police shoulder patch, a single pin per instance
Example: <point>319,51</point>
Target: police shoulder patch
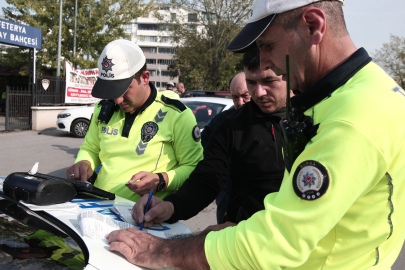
<point>196,133</point>
<point>310,180</point>
<point>149,129</point>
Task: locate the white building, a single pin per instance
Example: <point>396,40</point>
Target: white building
<point>157,44</point>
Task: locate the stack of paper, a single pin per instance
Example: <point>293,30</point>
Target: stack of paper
<point>98,226</point>
<point>124,212</point>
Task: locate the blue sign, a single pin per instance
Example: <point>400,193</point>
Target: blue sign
<point>19,34</point>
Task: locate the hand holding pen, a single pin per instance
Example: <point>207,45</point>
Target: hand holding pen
<point>146,209</point>
<point>157,212</point>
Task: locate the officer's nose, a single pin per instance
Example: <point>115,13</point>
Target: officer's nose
<point>119,100</point>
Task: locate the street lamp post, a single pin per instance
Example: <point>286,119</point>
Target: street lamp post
<point>59,38</point>
<point>74,34</point>
<point>88,54</point>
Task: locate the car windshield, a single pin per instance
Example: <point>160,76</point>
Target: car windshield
<point>204,111</point>
<point>32,239</point>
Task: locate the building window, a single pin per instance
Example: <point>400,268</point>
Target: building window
<point>151,61</point>
<point>147,27</point>
<point>165,61</point>
<point>172,16</point>
<point>191,28</point>
<point>141,38</point>
<point>192,17</point>
<point>205,16</point>
<point>152,73</point>
<point>164,8</point>
<point>165,27</point>
<point>153,39</point>
<point>165,39</point>
<point>157,84</point>
<point>148,49</point>
<point>164,50</point>
<point>164,73</point>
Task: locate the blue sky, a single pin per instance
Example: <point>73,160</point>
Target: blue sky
<point>370,22</point>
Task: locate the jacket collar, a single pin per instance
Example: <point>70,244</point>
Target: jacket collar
<point>332,81</point>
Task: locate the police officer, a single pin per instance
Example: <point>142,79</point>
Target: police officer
<point>341,203</point>
<point>169,92</point>
<point>144,140</point>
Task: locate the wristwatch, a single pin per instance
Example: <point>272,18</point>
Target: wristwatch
<point>162,183</point>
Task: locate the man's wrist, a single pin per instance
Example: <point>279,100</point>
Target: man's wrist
<point>163,181</point>
<point>187,253</point>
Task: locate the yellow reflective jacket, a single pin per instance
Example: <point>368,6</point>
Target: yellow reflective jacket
<point>173,148</point>
<point>359,221</point>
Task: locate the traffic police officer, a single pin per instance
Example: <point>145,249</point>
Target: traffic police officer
<point>144,140</point>
<point>341,202</point>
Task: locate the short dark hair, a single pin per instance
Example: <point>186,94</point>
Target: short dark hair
<point>333,12</point>
<point>137,75</point>
<point>251,59</point>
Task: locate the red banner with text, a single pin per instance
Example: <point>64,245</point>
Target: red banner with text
<point>79,83</point>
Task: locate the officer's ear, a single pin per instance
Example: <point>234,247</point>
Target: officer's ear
<point>145,77</point>
<point>312,25</point>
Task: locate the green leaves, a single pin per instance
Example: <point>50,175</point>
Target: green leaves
<point>202,60</point>
<point>91,34</point>
<point>391,57</point>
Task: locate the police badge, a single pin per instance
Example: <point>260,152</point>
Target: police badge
<point>107,64</point>
<point>311,180</point>
<point>196,133</point>
<point>149,129</point>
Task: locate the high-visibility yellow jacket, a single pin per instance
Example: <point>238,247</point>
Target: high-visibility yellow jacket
<point>162,137</point>
<point>357,221</point>
<point>170,94</point>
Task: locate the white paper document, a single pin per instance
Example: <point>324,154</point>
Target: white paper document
<point>125,214</point>
<point>98,226</point>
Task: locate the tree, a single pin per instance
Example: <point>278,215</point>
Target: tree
<point>391,57</point>
<point>108,18</point>
<point>202,60</point>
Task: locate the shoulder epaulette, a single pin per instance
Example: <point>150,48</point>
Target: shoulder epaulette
<point>178,104</point>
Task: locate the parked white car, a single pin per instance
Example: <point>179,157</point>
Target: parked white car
<point>205,108</point>
<point>75,120</point>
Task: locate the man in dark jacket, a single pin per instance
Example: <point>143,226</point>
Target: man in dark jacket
<point>183,93</point>
<point>240,96</point>
<point>247,143</point>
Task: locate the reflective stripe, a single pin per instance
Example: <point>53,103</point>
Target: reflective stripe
<point>392,206</point>
<point>378,256</point>
<point>157,162</point>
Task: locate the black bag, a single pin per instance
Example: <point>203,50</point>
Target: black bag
<point>37,190</point>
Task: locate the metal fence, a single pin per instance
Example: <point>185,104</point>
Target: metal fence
<point>18,108</point>
<point>49,91</point>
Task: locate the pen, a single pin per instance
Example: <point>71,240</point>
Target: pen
<point>116,213</point>
<point>146,209</point>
